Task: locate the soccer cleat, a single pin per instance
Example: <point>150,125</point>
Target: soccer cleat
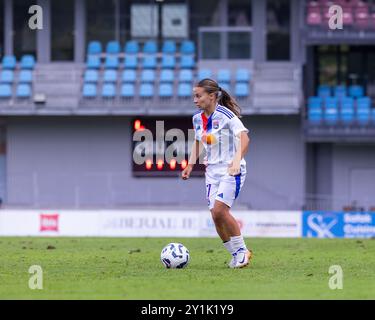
<point>242,258</point>
<point>232,263</point>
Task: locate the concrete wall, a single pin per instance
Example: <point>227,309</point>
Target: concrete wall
<point>86,162</point>
<point>353,175</point>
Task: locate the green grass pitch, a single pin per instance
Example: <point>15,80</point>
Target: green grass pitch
<point>129,268</point>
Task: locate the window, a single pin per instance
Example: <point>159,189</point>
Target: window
<point>62,22</point>
<point>239,13</point>
<point>100,18</point>
<point>24,39</point>
<point>278,30</point>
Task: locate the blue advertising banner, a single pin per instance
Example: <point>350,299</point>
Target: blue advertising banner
<point>327,224</point>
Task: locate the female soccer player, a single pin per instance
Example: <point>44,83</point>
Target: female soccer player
<point>222,134</point>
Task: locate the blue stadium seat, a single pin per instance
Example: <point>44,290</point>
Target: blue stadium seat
<point>23,91</point>
<point>187,47</point>
<point>185,75</point>
<point>331,102</point>
<point>363,115</point>
<point>241,90</point>
<point>6,76</point>
<point>91,76</point>
<point>166,90</point>
<point>347,103</point>
<point>149,61</point>
<point>204,74</point>
<point>9,62</point>
<point>184,90</point>
<point>131,62</point>
<point>111,62</point>
<point>347,115</point>
<point>148,76</point>
<point>315,102</point>
<point>169,47</point>
<point>146,90</point>
<point>113,47</point>
<point>340,91</point>
<point>331,115</point>
<point>166,75</point>
<point>25,76</point>
<point>127,90</point>
<point>315,115</point>
<point>324,91</point>
<point>5,91</point>
<point>131,47</point>
<point>93,62</point>
<point>89,90</point>
<point>242,75</point>
<point>225,86</point>
<point>94,47</point>
<point>108,90</point>
<point>356,91</point>
<point>364,102</point>
<point>223,75</point>
<point>150,47</point>
<point>27,61</point>
<point>168,61</point>
<point>129,76</point>
<point>187,62</point>
<point>110,76</point>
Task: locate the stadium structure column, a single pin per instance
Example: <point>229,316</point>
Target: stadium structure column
<point>8,27</point>
<point>259,31</point>
<point>44,36</point>
<point>296,43</point>
<point>79,30</point>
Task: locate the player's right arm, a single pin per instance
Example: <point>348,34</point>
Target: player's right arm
<point>194,155</point>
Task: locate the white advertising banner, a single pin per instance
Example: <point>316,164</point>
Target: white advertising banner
<point>277,224</point>
<point>144,223</point>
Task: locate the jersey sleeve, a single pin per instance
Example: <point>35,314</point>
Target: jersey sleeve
<point>236,125</point>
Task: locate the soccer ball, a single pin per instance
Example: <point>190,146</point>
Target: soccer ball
<point>175,256</point>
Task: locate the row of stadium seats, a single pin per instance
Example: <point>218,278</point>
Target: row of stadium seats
<point>8,76</point>
<point>334,102</point>
<point>332,110</point>
<point>346,116</point>
<point>17,83</point>
<point>10,62</point>
<point>150,61</point>
<point>356,13</point>
<point>134,47</point>
<point>22,90</point>
<point>165,75</point>
<point>147,90</point>
<point>341,91</point>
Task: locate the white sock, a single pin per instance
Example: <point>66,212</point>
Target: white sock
<point>237,242</point>
<point>228,246</point>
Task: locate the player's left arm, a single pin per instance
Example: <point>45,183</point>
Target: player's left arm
<point>242,146</point>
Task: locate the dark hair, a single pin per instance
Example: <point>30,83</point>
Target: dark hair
<point>224,98</point>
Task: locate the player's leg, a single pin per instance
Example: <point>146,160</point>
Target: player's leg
<point>212,186</point>
<point>231,235</point>
<point>224,221</point>
<point>228,191</point>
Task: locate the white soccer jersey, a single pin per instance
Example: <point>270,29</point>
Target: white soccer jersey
<point>218,134</point>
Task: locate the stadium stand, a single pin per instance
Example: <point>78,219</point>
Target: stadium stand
<point>16,77</point>
<point>142,70</point>
<point>344,107</point>
<point>358,15</point>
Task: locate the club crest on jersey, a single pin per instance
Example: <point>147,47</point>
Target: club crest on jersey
<point>215,124</point>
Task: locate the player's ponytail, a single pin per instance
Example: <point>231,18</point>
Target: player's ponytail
<point>223,97</point>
